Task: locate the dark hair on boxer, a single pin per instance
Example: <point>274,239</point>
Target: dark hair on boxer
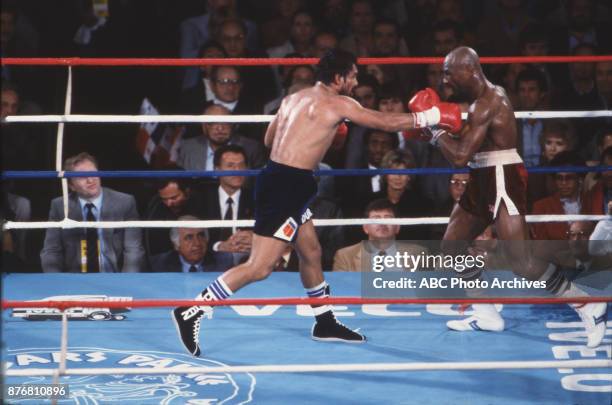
<point>334,62</point>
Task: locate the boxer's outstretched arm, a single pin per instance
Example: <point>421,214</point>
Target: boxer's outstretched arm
<point>350,109</point>
<point>460,149</point>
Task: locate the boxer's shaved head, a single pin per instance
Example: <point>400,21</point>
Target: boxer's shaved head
<point>462,71</point>
<point>464,58</point>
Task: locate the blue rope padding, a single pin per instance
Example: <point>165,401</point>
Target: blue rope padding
<point>47,174</point>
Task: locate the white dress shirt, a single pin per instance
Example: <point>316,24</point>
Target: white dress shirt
<point>185,266</point>
<point>375,180</point>
<point>223,196</point>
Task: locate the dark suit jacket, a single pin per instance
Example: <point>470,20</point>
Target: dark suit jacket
<point>224,260</point>
<point>121,248</point>
<point>193,152</point>
<point>193,101</point>
<point>157,240</point>
<point>213,209</point>
<point>169,262</point>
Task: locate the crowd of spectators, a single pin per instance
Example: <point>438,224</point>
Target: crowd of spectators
<point>279,28</point>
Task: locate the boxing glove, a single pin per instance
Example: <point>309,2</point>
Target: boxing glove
<point>450,117</point>
<point>424,100</point>
<point>446,116</point>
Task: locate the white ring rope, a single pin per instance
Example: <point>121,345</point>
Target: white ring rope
<point>84,118</point>
<point>59,148</point>
<point>322,368</point>
<point>248,223</point>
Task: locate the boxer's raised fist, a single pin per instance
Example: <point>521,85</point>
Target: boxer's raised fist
<point>424,100</point>
<point>450,117</point>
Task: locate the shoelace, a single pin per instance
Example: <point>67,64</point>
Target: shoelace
<point>196,329</point>
<point>343,325</point>
<point>190,313</point>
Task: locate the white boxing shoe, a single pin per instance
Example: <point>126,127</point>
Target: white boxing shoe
<point>485,318</point>
<point>594,316</point>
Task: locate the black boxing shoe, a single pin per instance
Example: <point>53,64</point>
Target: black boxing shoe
<point>187,321</point>
<point>328,329</point>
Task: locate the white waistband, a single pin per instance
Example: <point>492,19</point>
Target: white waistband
<point>495,158</point>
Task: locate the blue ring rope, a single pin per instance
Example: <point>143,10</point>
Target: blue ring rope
<point>47,174</point>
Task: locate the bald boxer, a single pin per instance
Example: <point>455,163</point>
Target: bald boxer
<point>497,190</point>
<point>299,135</point>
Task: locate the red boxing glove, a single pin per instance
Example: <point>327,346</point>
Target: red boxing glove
<point>450,117</point>
<point>340,137</point>
<point>424,100</point>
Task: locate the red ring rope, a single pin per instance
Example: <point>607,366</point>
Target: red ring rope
<point>151,303</point>
<point>285,61</point>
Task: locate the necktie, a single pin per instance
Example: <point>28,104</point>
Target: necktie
<point>229,215</point>
<point>193,269</point>
<point>93,263</point>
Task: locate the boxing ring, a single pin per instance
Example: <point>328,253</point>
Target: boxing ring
<point>110,336</point>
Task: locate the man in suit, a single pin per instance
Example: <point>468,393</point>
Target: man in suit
<point>189,253</point>
<point>197,153</point>
<point>92,250</point>
<point>376,144</point>
<point>195,97</point>
<point>229,200</point>
<point>381,241</point>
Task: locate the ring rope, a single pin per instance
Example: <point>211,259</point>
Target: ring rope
<point>249,223</point>
<point>157,303</point>
<point>256,118</point>
<point>410,60</point>
<point>56,373</point>
<point>326,368</point>
<point>46,174</point>
<point>60,143</point>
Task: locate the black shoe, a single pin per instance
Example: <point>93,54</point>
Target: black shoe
<point>330,329</point>
<point>187,321</point>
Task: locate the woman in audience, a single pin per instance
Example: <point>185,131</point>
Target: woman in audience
<point>557,136</point>
<point>401,190</point>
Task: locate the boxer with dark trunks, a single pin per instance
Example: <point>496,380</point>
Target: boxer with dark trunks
<point>497,188</point>
<point>299,135</point>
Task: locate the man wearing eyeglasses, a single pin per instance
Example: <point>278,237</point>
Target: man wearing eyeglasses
<point>227,86</point>
<point>232,34</point>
